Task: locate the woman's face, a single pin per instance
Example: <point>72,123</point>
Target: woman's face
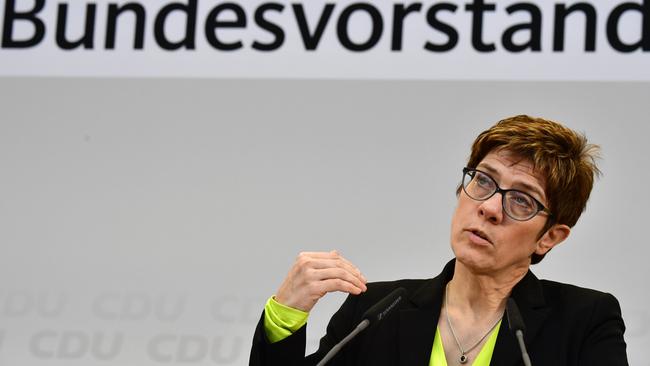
<point>483,237</point>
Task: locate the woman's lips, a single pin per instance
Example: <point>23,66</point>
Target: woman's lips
<point>478,237</point>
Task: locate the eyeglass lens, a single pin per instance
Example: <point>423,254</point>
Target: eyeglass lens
<point>480,186</point>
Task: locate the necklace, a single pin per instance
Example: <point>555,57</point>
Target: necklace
<point>463,353</point>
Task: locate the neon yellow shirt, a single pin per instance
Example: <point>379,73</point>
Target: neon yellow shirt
<point>281,321</point>
<point>482,359</point>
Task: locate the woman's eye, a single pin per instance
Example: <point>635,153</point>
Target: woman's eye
<point>482,180</point>
<point>521,200</point>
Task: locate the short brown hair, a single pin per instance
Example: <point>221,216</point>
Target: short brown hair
<point>560,155</point>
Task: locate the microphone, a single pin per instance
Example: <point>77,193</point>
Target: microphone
<point>372,316</point>
<point>517,326</point>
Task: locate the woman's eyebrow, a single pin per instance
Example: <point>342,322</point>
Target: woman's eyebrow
<point>524,185</point>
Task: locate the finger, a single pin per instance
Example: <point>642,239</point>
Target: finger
<point>330,254</point>
<point>336,284</point>
<point>339,273</point>
<point>322,260</point>
<point>336,263</point>
<point>354,268</point>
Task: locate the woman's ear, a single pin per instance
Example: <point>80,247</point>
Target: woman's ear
<point>552,237</point>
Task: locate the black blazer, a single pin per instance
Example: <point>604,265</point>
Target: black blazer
<point>565,325</point>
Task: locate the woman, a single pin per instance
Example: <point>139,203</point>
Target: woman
<point>525,185</point>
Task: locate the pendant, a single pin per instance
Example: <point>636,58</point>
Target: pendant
<point>463,359</point>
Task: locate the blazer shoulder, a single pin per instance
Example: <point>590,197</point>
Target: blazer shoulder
<point>377,290</point>
<point>555,289</point>
<point>578,298</point>
<point>591,318</point>
<point>410,284</point>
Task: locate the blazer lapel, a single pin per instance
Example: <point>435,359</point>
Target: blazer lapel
<point>418,323</point>
<point>530,300</point>
<point>416,334</point>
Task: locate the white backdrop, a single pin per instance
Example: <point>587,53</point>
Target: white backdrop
<point>145,221</point>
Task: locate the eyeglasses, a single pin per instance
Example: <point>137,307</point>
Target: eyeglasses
<point>517,205</point>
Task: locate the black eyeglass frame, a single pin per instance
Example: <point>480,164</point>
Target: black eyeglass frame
<point>540,206</point>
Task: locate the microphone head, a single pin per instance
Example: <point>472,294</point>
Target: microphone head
<point>385,306</point>
<point>515,320</point>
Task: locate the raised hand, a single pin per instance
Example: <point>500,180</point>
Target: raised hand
<point>316,273</point>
